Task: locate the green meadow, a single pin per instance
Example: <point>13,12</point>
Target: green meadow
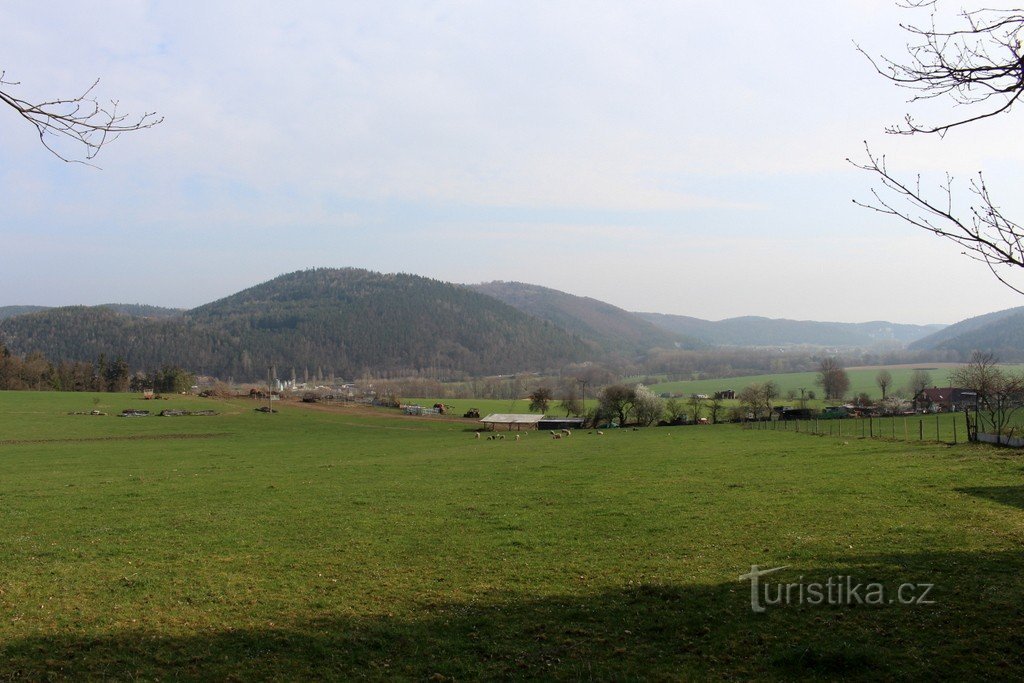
<point>354,543</point>
<point>862,379</point>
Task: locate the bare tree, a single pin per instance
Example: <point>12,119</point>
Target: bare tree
<point>618,401</point>
<point>919,381</point>
<point>695,407</point>
<point>769,392</point>
<point>833,378</point>
<point>572,404</point>
<point>979,65</point>
<point>751,399</point>
<point>675,410</point>
<point>999,393</point>
<point>88,123</point>
<point>884,380</point>
<point>715,407</point>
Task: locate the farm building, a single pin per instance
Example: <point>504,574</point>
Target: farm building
<point>519,421</point>
<point>947,399</point>
<point>561,423</point>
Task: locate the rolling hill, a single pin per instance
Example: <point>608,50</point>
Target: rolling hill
<point>135,310</point>
<point>758,331</point>
<point>612,329</point>
<point>343,321</point>
<point>1001,332</point>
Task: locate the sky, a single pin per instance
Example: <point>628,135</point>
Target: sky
<point>683,157</point>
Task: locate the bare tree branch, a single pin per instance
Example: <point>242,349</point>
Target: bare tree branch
<point>985,233</point>
<point>978,62</point>
<point>81,119</point>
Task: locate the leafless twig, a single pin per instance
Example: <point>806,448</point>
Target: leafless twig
<point>82,119</point>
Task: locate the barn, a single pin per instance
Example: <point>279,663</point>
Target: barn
<point>559,423</point>
<point>510,421</point>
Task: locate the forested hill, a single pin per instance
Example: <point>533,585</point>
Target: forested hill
<point>1001,333</point>
<point>613,329</point>
<point>11,311</point>
<point>758,331</point>
<point>341,321</point>
<point>137,310</point>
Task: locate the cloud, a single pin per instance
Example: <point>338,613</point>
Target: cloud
<point>337,133</point>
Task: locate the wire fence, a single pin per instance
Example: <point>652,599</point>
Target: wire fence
<point>950,428</point>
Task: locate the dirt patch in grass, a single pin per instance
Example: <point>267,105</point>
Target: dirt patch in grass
<point>371,411</point>
<point>133,437</point>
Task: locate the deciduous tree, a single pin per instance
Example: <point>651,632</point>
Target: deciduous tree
<point>884,380</point>
<point>833,378</point>
<point>920,379</point>
<point>1000,393</point>
<point>539,399</point>
<point>647,406</point>
<point>617,401</point>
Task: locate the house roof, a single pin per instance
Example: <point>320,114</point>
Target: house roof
<point>513,418</point>
<point>945,394</point>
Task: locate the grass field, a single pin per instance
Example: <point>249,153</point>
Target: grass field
<point>862,379</point>
<point>320,544</point>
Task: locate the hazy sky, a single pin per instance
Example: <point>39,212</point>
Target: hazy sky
<point>681,157</point>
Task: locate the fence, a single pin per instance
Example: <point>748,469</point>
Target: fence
<point>948,428</point>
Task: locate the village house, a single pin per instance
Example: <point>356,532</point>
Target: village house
<point>943,399</point>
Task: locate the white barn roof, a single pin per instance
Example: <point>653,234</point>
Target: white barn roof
<point>512,419</point>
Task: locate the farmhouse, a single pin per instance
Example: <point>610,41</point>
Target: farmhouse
<point>518,420</point>
<point>943,400</point>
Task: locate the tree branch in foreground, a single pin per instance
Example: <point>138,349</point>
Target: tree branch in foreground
<point>985,234</point>
<point>82,119</point>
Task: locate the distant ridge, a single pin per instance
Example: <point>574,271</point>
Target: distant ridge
<point>759,331</point>
<point>339,321</point>
<point>611,328</point>
<point>11,311</point>
<point>350,321</point>
<point>136,310</point>
<point>1001,332</point>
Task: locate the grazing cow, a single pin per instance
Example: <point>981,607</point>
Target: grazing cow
<point>476,434</point>
<point>600,433</point>
<point>556,436</point>
<point>567,432</point>
<point>517,437</point>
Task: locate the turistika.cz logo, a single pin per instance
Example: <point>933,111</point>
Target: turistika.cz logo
<point>835,591</point>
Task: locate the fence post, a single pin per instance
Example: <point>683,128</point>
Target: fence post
<point>920,429</point>
<point>871,427</point>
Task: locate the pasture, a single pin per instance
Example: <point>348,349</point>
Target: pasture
<point>862,379</point>
<point>346,542</point>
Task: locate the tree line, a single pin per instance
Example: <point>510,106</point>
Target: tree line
<point>34,372</point>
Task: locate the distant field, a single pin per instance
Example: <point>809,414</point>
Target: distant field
<point>487,406</point>
<point>862,379</point>
<point>323,543</point>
